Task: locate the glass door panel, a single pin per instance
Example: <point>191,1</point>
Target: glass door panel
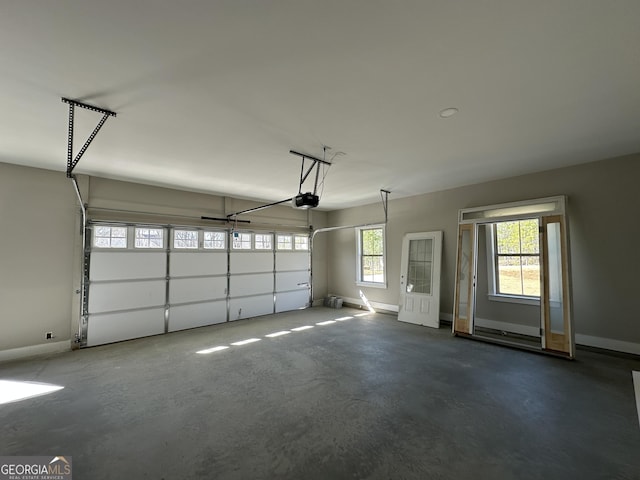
<point>419,276</point>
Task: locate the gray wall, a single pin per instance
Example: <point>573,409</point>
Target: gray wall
<point>37,215</point>
<point>603,209</point>
<point>40,244</point>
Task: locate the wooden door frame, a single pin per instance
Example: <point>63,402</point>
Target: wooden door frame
<point>459,325</point>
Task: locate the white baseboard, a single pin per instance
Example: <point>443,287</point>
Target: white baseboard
<point>380,306</point>
<point>608,344</point>
<point>35,350</point>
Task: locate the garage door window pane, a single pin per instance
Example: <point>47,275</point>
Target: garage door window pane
<point>285,242</point>
<point>149,238</point>
<point>241,241</point>
<point>185,239</point>
<point>110,237</point>
<point>215,240</point>
<point>263,241</point>
<point>302,242</point>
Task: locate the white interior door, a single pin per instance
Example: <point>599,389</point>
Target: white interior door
<point>420,279</point>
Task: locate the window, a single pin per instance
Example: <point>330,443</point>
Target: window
<point>285,242</point>
<point>301,242</point>
<point>517,258</point>
<point>263,241</point>
<point>371,269</point>
<point>215,240</point>
<point>241,241</point>
<point>110,237</point>
<point>149,238</point>
<point>185,239</point>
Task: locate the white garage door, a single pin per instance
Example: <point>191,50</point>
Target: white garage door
<point>197,279</point>
<point>127,286</point>
<point>147,280</point>
<point>293,272</point>
<point>251,273</point>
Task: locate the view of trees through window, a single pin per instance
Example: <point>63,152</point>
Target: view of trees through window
<point>372,255</point>
<point>517,258</point>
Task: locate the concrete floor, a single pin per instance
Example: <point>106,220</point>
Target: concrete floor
<point>367,397</point>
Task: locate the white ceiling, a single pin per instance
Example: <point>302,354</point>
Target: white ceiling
<point>211,95</point>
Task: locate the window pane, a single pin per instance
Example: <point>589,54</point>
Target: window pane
<point>508,237</point>
<point>301,242</point>
<point>101,242</point>
<point>372,269</point>
<point>509,275</point>
<point>519,275</point>
<point>118,232</point>
<point>110,237</point>
<point>215,240</point>
<point>372,242</point>
<point>529,236</point>
<point>149,238</point>
<point>241,241</point>
<point>185,239</point>
<point>285,242</point>
<point>263,241</point>
<point>118,243</point>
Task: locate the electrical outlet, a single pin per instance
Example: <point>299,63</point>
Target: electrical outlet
<point>49,335</point>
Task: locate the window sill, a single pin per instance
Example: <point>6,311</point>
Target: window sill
<point>371,284</point>
<point>514,299</point>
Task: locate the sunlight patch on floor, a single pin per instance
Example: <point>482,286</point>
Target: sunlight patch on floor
<point>278,334</point>
<point>300,329</point>
<point>212,349</point>
<point>14,391</point>
<point>245,342</point>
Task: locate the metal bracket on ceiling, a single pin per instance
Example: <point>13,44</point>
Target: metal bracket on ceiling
<point>315,163</point>
<point>384,195</point>
<point>71,161</point>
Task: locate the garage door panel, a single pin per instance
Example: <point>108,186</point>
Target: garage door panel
<point>292,300</point>
<point>250,307</point>
<point>115,327</point>
<point>108,297</point>
<point>182,290</point>
<point>250,262</point>
<point>259,283</point>
<point>292,261</point>
<point>195,315</point>
<point>183,264</point>
<point>292,281</point>
<point>127,265</point>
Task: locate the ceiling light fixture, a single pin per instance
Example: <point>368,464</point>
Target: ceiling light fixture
<point>448,112</point>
